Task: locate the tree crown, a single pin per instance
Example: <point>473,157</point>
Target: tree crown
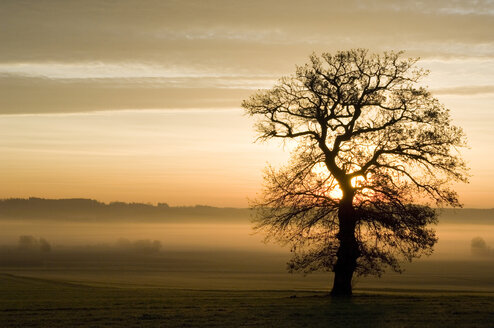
<point>367,134</point>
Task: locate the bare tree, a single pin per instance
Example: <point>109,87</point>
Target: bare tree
<point>374,152</point>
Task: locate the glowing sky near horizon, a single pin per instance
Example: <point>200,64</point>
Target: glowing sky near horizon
<point>138,101</point>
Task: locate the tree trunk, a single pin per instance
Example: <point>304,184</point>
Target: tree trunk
<point>348,251</point>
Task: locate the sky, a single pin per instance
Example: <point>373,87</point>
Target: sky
<point>140,100</point>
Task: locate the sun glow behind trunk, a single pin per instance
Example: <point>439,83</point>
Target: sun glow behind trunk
<point>329,186</point>
<point>332,189</point>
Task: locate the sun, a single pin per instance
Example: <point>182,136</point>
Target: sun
<point>332,189</point>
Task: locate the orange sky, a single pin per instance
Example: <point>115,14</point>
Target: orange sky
<point>141,102</point>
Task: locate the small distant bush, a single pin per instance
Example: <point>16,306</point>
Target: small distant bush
<point>31,243</point>
<point>480,247</point>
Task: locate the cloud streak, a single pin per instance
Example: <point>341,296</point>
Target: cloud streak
<point>208,54</point>
<point>466,90</point>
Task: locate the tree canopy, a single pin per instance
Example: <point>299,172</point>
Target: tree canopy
<point>374,152</point>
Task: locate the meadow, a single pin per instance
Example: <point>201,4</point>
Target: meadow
<point>33,302</point>
<point>218,273</point>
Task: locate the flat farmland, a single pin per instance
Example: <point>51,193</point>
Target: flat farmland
<point>34,302</point>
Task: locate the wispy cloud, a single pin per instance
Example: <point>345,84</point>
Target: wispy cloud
<point>96,55</point>
<point>115,70</point>
<point>468,90</point>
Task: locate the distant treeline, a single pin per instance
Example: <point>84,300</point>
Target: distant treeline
<point>467,215</point>
<point>80,209</point>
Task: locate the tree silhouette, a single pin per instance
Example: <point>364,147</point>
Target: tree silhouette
<point>373,152</point>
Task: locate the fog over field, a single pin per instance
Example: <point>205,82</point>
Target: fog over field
<point>213,248</point>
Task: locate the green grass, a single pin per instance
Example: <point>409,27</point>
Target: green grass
<point>31,302</point>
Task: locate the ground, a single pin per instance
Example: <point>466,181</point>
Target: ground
<point>33,302</point>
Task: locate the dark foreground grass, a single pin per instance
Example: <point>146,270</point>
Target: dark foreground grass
<point>30,302</point>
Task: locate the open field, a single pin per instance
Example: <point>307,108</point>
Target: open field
<point>218,255</point>
<point>217,273</point>
<point>31,302</point>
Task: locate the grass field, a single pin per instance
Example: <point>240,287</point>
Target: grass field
<point>34,302</point>
<point>220,275</point>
